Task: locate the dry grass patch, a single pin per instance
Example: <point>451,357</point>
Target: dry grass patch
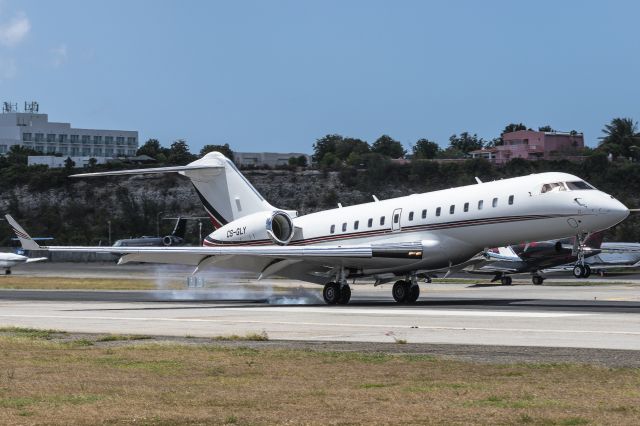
<point>62,283</point>
<point>254,337</point>
<point>151,383</point>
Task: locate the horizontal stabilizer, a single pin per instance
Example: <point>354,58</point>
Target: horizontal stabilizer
<point>172,169</point>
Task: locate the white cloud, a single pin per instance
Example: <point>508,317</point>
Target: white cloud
<point>59,55</point>
<point>14,31</point>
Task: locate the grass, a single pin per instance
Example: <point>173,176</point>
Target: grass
<point>63,283</point>
<point>121,337</point>
<point>255,337</point>
<point>44,380</point>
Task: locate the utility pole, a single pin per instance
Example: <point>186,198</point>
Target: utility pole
<point>109,225</point>
<point>158,223</point>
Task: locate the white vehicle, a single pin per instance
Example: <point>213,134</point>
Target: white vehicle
<point>9,260</point>
<point>396,239</point>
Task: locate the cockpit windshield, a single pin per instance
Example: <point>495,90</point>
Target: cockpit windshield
<point>565,186</point>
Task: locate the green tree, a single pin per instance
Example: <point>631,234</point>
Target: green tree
<point>466,142</point>
<point>513,127</point>
<point>69,164</point>
<point>223,149</point>
<point>325,145</point>
<point>153,149</point>
<point>18,155</point>
<point>546,128</point>
<point>347,146</point>
<point>424,148</point>
<point>179,153</point>
<point>620,135</point>
<point>387,146</point>
<point>92,162</point>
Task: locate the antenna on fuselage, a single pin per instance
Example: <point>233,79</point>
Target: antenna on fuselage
<point>339,205</point>
<point>375,198</point>
<point>478,179</point>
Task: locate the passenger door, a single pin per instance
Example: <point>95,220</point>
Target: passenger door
<point>396,220</point>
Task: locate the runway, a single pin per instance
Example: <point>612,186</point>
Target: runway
<point>605,317</point>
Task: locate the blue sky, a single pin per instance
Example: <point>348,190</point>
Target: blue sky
<point>277,75</point>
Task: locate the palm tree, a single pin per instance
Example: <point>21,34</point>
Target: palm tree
<point>620,135</point>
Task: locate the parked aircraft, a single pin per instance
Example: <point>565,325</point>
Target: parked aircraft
<point>535,257</point>
<point>611,256</point>
<point>176,238</point>
<point>9,260</point>
<point>386,240</point>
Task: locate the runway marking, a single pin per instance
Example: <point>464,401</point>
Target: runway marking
<point>324,324</point>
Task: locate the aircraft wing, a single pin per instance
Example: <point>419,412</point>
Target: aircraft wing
<point>36,259</point>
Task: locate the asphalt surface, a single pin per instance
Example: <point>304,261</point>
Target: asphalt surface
<point>520,323</point>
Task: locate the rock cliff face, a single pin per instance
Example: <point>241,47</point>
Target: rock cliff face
<point>79,211</point>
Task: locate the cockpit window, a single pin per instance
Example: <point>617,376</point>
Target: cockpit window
<point>553,187</point>
<point>579,184</point>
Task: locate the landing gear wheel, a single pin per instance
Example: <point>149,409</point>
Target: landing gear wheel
<point>7,272</point>
<point>505,280</point>
<point>331,293</point>
<point>414,293</point>
<point>587,271</point>
<point>400,291</point>
<point>345,295</point>
<point>427,280</point>
<point>537,280</point>
<point>579,271</point>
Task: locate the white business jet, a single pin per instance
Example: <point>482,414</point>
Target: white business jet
<point>9,260</point>
<point>397,239</point>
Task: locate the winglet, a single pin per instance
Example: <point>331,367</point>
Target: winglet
<point>26,241</point>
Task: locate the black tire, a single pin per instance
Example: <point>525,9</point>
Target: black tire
<point>428,280</point>
<point>400,291</point>
<point>506,280</point>
<point>7,272</point>
<point>331,293</point>
<point>587,271</point>
<point>414,293</point>
<point>345,295</point>
<point>578,271</point>
<point>537,280</point>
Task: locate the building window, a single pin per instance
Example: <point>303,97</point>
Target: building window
<point>356,224</point>
<point>344,227</point>
<point>381,220</point>
<point>480,203</point>
<point>75,151</point>
<point>108,152</point>
<point>39,137</point>
<point>86,151</point>
<point>466,207</point>
<point>97,151</point>
<point>64,150</point>
<point>452,209</point>
<point>410,216</point>
<point>74,138</point>
<point>494,203</point>
<point>120,151</point>
<point>132,152</point>
<point>510,199</point>
<point>40,148</point>
<point>3,149</point>
<point>131,141</point>
<point>120,139</point>
<point>86,138</point>
<point>62,138</point>
<point>333,229</point>
<point>424,213</point>
<point>51,137</point>
<point>108,140</point>
<point>97,139</point>
<point>51,149</point>
<point>438,211</point>
<point>26,137</point>
<point>370,223</point>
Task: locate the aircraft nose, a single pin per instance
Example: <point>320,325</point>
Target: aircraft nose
<point>615,209</point>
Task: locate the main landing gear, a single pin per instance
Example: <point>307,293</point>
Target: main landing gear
<point>581,271</point>
<point>506,280</point>
<point>7,272</point>
<point>334,293</point>
<point>537,279</point>
<point>405,291</point>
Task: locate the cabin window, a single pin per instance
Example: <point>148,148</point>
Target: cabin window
<point>553,187</point>
<point>396,218</point>
<point>381,220</point>
<point>333,229</point>
<point>410,215</point>
<point>480,203</point>
<point>466,207</point>
<point>494,203</point>
<point>578,185</point>
<point>510,199</point>
<point>344,227</point>
<point>424,213</point>
<point>452,209</point>
<point>438,211</point>
<point>356,224</point>
<point>370,222</point>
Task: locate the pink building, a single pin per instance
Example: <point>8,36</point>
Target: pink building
<point>532,145</point>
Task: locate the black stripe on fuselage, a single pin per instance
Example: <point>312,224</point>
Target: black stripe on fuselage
<point>405,229</point>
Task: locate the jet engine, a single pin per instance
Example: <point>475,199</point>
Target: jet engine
<point>276,226</point>
<point>172,240</point>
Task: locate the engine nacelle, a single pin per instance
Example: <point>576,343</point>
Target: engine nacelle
<point>276,226</point>
<point>171,240</point>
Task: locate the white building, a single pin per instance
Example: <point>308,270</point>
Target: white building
<point>33,130</point>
